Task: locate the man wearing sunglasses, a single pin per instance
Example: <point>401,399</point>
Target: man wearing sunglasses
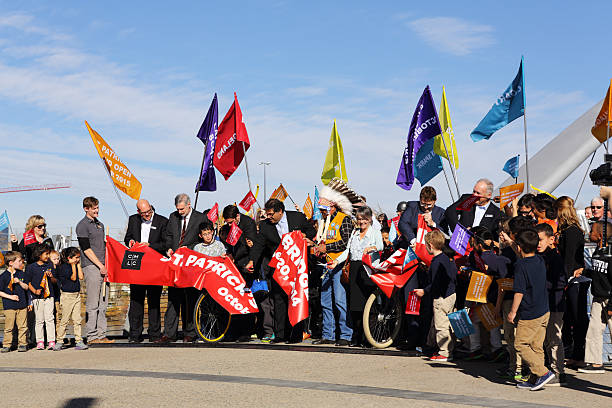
<point>597,209</point>
<point>147,228</point>
<point>425,207</point>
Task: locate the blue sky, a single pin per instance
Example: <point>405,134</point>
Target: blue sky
<point>143,75</point>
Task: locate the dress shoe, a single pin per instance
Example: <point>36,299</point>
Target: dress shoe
<point>243,339</point>
<point>188,339</point>
<point>355,344</point>
<point>166,339</point>
<point>156,341</point>
<point>134,341</point>
<point>324,341</point>
<point>277,340</point>
<point>343,343</point>
<point>294,341</point>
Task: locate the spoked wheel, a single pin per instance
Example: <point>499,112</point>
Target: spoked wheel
<point>211,320</point>
<point>382,318</point>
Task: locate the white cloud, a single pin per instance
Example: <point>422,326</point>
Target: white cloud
<point>453,35</point>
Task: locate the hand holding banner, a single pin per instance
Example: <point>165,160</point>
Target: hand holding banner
<point>413,304</point>
<point>234,234</point>
<point>478,288</point>
<point>509,193</point>
<point>460,239</point>
<point>213,214</point>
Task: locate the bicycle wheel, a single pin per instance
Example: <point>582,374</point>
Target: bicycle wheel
<point>211,320</point>
<point>382,318</point>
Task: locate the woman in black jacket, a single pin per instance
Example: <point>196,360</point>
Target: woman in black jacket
<point>36,229</point>
<point>571,246</point>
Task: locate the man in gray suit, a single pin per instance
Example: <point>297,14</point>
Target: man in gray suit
<point>181,231</point>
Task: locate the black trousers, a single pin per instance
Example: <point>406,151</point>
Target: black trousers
<point>282,327</point>
<point>576,319</point>
<point>136,314</point>
<point>181,303</point>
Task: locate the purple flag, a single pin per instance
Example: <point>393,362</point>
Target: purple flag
<point>424,126</point>
<point>208,136</point>
<point>460,239</point>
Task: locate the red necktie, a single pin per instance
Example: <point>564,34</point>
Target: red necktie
<point>183,232</point>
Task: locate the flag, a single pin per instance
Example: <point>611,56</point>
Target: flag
<point>213,214</point>
<point>542,191</point>
<point>308,208</point>
<point>316,213</point>
<point>208,135</point>
<point>122,177</point>
<point>4,221</point>
<point>468,203</point>
<point>509,193</point>
<point>512,166</point>
<point>234,234</point>
<point>599,130</point>
<point>228,152</point>
<point>509,106</point>
<point>334,160</point>
<point>460,239</point>
<point>447,134</point>
<point>29,237</point>
<point>427,164</point>
<point>251,212</point>
<point>248,201</point>
<point>424,126</point>
<point>280,193</point>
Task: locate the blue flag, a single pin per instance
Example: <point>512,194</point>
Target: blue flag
<point>424,126</point>
<point>509,106</point>
<point>208,136</point>
<point>512,166</point>
<point>4,221</point>
<point>427,164</point>
<point>316,213</point>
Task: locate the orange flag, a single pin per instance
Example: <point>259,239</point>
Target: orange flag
<point>122,177</point>
<point>509,193</point>
<point>478,288</point>
<point>308,209</point>
<point>599,130</point>
<point>280,193</point>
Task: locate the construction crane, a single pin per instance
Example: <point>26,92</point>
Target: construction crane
<point>34,188</point>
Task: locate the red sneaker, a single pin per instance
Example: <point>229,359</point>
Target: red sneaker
<point>439,357</point>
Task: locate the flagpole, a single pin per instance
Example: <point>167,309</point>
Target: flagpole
<point>201,169</point>
<point>585,174</point>
<point>115,187</point>
<point>451,163</point>
<point>289,195</point>
<point>246,164</point>
<point>447,183</point>
<point>526,153</point>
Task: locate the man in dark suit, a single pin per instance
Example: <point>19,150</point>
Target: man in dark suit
<point>147,228</point>
<point>277,223</point>
<point>182,231</point>
<point>484,213</point>
<point>432,214</point>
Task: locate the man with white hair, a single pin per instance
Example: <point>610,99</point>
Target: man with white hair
<point>484,213</point>
<point>597,206</point>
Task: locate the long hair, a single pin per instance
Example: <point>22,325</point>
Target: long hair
<point>566,213</point>
<point>34,221</point>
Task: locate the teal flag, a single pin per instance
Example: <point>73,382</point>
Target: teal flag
<point>509,106</point>
<point>427,164</point>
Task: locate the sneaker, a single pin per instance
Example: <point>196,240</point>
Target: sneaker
<point>22,348</point>
<point>509,375</point>
<point>40,345</point>
<point>342,343</point>
<point>58,347</point>
<point>591,369</point>
<point>266,339</point>
<point>474,355</point>
<point>518,377</point>
<point>51,345</point>
<point>440,357</point>
<point>5,350</point>
<point>543,380</point>
<point>524,385</point>
<point>81,346</point>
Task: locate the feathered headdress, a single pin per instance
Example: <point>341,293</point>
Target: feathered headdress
<point>339,193</point>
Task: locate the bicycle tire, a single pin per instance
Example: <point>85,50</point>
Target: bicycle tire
<point>211,320</point>
<point>382,319</point>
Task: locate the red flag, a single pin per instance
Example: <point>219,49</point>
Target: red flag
<point>213,214</point>
<point>419,246</point>
<point>468,203</point>
<point>234,234</point>
<point>290,261</point>
<point>248,201</point>
<point>413,304</point>
<point>29,237</point>
<point>228,151</point>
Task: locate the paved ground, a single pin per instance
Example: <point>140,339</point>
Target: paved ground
<point>238,377</point>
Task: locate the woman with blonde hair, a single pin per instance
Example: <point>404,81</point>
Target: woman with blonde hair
<point>35,233</point>
<point>571,246</point>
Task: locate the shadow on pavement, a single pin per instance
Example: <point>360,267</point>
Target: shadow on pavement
<point>85,402</point>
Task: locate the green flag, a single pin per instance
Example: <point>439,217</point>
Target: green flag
<point>334,160</point>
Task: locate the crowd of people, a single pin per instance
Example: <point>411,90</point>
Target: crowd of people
<point>537,243</point>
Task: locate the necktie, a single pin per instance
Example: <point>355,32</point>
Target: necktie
<point>183,232</point>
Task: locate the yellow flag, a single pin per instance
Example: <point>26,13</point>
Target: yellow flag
<point>308,209</point>
<point>541,191</point>
<point>121,175</point>
<point>447,133</point>
<point>280,193</point>
<point>603,118</point>
<point>334,165</point>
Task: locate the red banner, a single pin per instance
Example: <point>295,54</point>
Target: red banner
<point>213,214</point>
<point>29,237</point>
<point>248,201</point>
<point>234,234</point>
<point>232,141</point>
<point>468,203</point>
<point>419,246</point>
<point>290,261</point>
<point>143,265</point>
<point>413,304</point>
<point>393,272</point>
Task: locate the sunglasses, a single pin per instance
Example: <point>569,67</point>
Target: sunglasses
<point>597,207</point>
<point>41,226</point>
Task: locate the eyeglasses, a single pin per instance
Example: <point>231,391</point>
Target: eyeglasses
<point>597,207</point>
<point>41,226</point>
<point>148,212</point>
<point>524,213</point>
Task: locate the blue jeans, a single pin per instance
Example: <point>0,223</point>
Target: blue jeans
<point>333,294</point>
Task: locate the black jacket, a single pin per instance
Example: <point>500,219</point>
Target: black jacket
<point>268,238</point>
<point>571,248</point>
<point>241,251</point>
<point>601,275</point>
<point>490,220</point>
<point>157,236</point>
<point>173,230</point>
<point>409,221</point>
